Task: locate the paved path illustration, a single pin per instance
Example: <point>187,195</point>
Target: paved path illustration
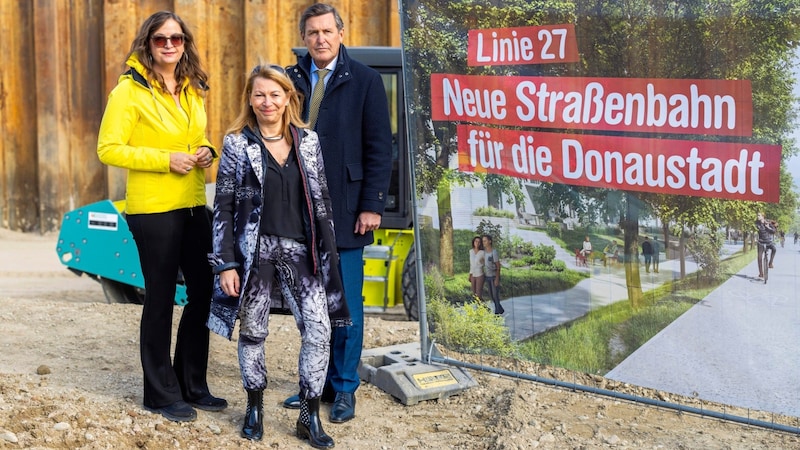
<point>531,314</point>
<point>738,346</point>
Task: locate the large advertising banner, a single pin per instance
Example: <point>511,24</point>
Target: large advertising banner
<point>601,188</point>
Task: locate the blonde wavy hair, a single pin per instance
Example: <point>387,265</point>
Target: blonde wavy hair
<point>292,113</point>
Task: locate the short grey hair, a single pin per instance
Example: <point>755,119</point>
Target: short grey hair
<point>320,9</point>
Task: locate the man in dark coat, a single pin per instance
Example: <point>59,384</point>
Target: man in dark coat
<point>766,235</point>
<point>356,139</point>
<point>647,251</point>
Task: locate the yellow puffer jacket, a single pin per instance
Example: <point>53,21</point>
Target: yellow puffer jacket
<point>141,126</point>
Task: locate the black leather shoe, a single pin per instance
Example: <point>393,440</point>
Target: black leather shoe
<point>292,402</point>
<point>209,403</point>
<point>344,407</point>
<point>179,411</point>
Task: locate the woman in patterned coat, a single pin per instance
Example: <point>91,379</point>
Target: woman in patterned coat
<point>274,240</point>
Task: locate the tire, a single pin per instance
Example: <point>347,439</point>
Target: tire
<point>410,290</point>
<point>765,257</point>
<point>117,292</point>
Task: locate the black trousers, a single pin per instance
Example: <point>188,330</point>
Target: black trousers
<point>762,247</point>
<point>167,242</point>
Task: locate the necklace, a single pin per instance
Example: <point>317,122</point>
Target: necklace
<point>269,138</point>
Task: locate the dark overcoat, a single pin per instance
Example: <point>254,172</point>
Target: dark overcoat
<point>356,138</point>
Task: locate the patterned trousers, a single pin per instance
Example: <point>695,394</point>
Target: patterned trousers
<point>284,269</point>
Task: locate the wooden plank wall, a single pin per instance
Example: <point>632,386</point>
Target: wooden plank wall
<point>62,58</point>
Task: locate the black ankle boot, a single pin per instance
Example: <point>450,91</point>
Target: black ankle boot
<point>309,426</point>
<point>253,427</point>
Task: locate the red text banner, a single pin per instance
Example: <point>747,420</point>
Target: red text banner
<point>657,105</point>
<point>548,44</point>
<point>695,168</point>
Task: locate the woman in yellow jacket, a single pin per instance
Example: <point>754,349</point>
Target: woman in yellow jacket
<point>154,125</point>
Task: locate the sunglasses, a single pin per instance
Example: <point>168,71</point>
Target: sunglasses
<point>161,41</point>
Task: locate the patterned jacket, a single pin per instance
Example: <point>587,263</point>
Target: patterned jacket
<point>237,221</point>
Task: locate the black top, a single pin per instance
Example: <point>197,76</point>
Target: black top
<point>766,232</point>
<point>282,214</point>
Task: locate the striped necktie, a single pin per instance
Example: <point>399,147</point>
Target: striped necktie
<point>316,97</point>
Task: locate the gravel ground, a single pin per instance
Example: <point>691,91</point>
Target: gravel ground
<point>70,379</point>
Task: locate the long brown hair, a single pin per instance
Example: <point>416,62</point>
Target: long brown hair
<point>189,66</point>
<point>293,110</point>
<point>480,242</point>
